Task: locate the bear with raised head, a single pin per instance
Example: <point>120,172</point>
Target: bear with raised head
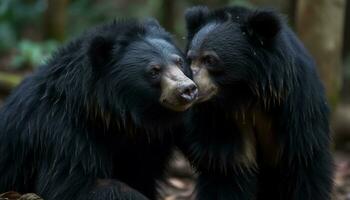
<point>261,127</point>
<point>95,121</point>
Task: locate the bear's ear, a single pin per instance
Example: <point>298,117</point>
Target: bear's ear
<point>263,26</point>
<point>195,17</point>
<point>153,25</point>
<point>151,22</point>
<point>100,51</point>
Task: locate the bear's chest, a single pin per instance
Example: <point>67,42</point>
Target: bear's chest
<point>234,140</point>
<point>221,144</point>
<point>136,159</point>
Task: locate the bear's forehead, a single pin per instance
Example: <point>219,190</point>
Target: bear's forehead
<point>162,45</point>
<point>217,36</point>
<point>202,34</point>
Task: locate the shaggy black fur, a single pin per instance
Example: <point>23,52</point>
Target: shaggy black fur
<point>265,134</point>
<point>89,120</point>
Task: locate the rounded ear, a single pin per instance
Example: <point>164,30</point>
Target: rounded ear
<point>100,51</point>
<point>195,17</point>
<point>152,22</point>
<point>263,26</point>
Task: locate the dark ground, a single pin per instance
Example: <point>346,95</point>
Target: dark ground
<point>180,184</point>
<point>342,176</point>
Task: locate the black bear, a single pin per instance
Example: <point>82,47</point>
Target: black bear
<point>261,127</point>
<point>95,121</point>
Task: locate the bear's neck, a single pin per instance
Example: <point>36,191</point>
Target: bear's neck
<point>122,125</point>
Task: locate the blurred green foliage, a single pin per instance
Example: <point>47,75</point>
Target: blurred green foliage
<point>31,53</point>
<point>14,15</point>
<point>85,13</point>
<point>7,36</point>
<point>22,22</point>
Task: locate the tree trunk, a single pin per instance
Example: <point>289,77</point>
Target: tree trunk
<point>287,7</point>
<point>346,51</point>
<point>55,19</point>
<point>168,15</point>
<point>320,24</point>
<point>346,57</point>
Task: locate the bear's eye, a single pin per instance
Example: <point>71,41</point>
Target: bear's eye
<point>154,70</point>
<point>209,60</point>
<point>180,62</point>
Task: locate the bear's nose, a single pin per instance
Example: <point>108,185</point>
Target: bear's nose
<point>188,92</point>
